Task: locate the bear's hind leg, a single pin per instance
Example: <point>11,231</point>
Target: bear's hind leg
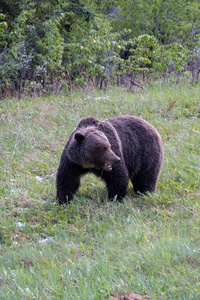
<point>143,183</point>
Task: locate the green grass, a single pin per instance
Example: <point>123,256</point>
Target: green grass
<point>93,247</point>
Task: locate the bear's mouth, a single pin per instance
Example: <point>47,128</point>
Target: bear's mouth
<point>107,167</point>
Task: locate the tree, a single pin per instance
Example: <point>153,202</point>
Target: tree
<point>47,44</point>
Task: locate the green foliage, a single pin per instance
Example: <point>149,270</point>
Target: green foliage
<point>142,51</point>
<point>52,44</point>
<point>33,46</point>
<point>3,27</point>
<point>167,21</point>
<point>170,59</point>
<point>95,55</point>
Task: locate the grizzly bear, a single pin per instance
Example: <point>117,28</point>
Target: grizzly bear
<point>117,149</point>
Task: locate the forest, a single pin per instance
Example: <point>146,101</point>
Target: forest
<point>60,44</point>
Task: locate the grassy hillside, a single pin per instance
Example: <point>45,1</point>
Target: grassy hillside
<point>93,247</point>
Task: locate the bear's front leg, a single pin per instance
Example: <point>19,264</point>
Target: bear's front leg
<point>67,181</point>
<point>117,183</point>
<point>66,188</point>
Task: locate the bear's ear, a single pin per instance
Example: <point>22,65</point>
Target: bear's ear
<point>79,137</point>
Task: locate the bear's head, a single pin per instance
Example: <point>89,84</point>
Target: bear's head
<point>91,149</point>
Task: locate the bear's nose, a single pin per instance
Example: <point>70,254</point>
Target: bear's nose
<point>117,159</point>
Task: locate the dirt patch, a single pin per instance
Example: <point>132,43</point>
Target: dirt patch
<point>131,296</point>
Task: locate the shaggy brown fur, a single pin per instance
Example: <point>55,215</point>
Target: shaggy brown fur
<point>117,149</point>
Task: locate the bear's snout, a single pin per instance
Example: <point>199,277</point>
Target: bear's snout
<point>108,165</point>
<point>117,159</point>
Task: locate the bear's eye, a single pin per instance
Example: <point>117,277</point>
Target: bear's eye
<point>104,148</point>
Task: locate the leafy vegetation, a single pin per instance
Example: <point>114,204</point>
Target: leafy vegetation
<point>51,45</point>
<point>93,247</point>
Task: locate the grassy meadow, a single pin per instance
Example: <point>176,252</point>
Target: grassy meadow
<point>149,245</point>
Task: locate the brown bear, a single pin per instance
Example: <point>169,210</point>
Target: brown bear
<point>117,149</point>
